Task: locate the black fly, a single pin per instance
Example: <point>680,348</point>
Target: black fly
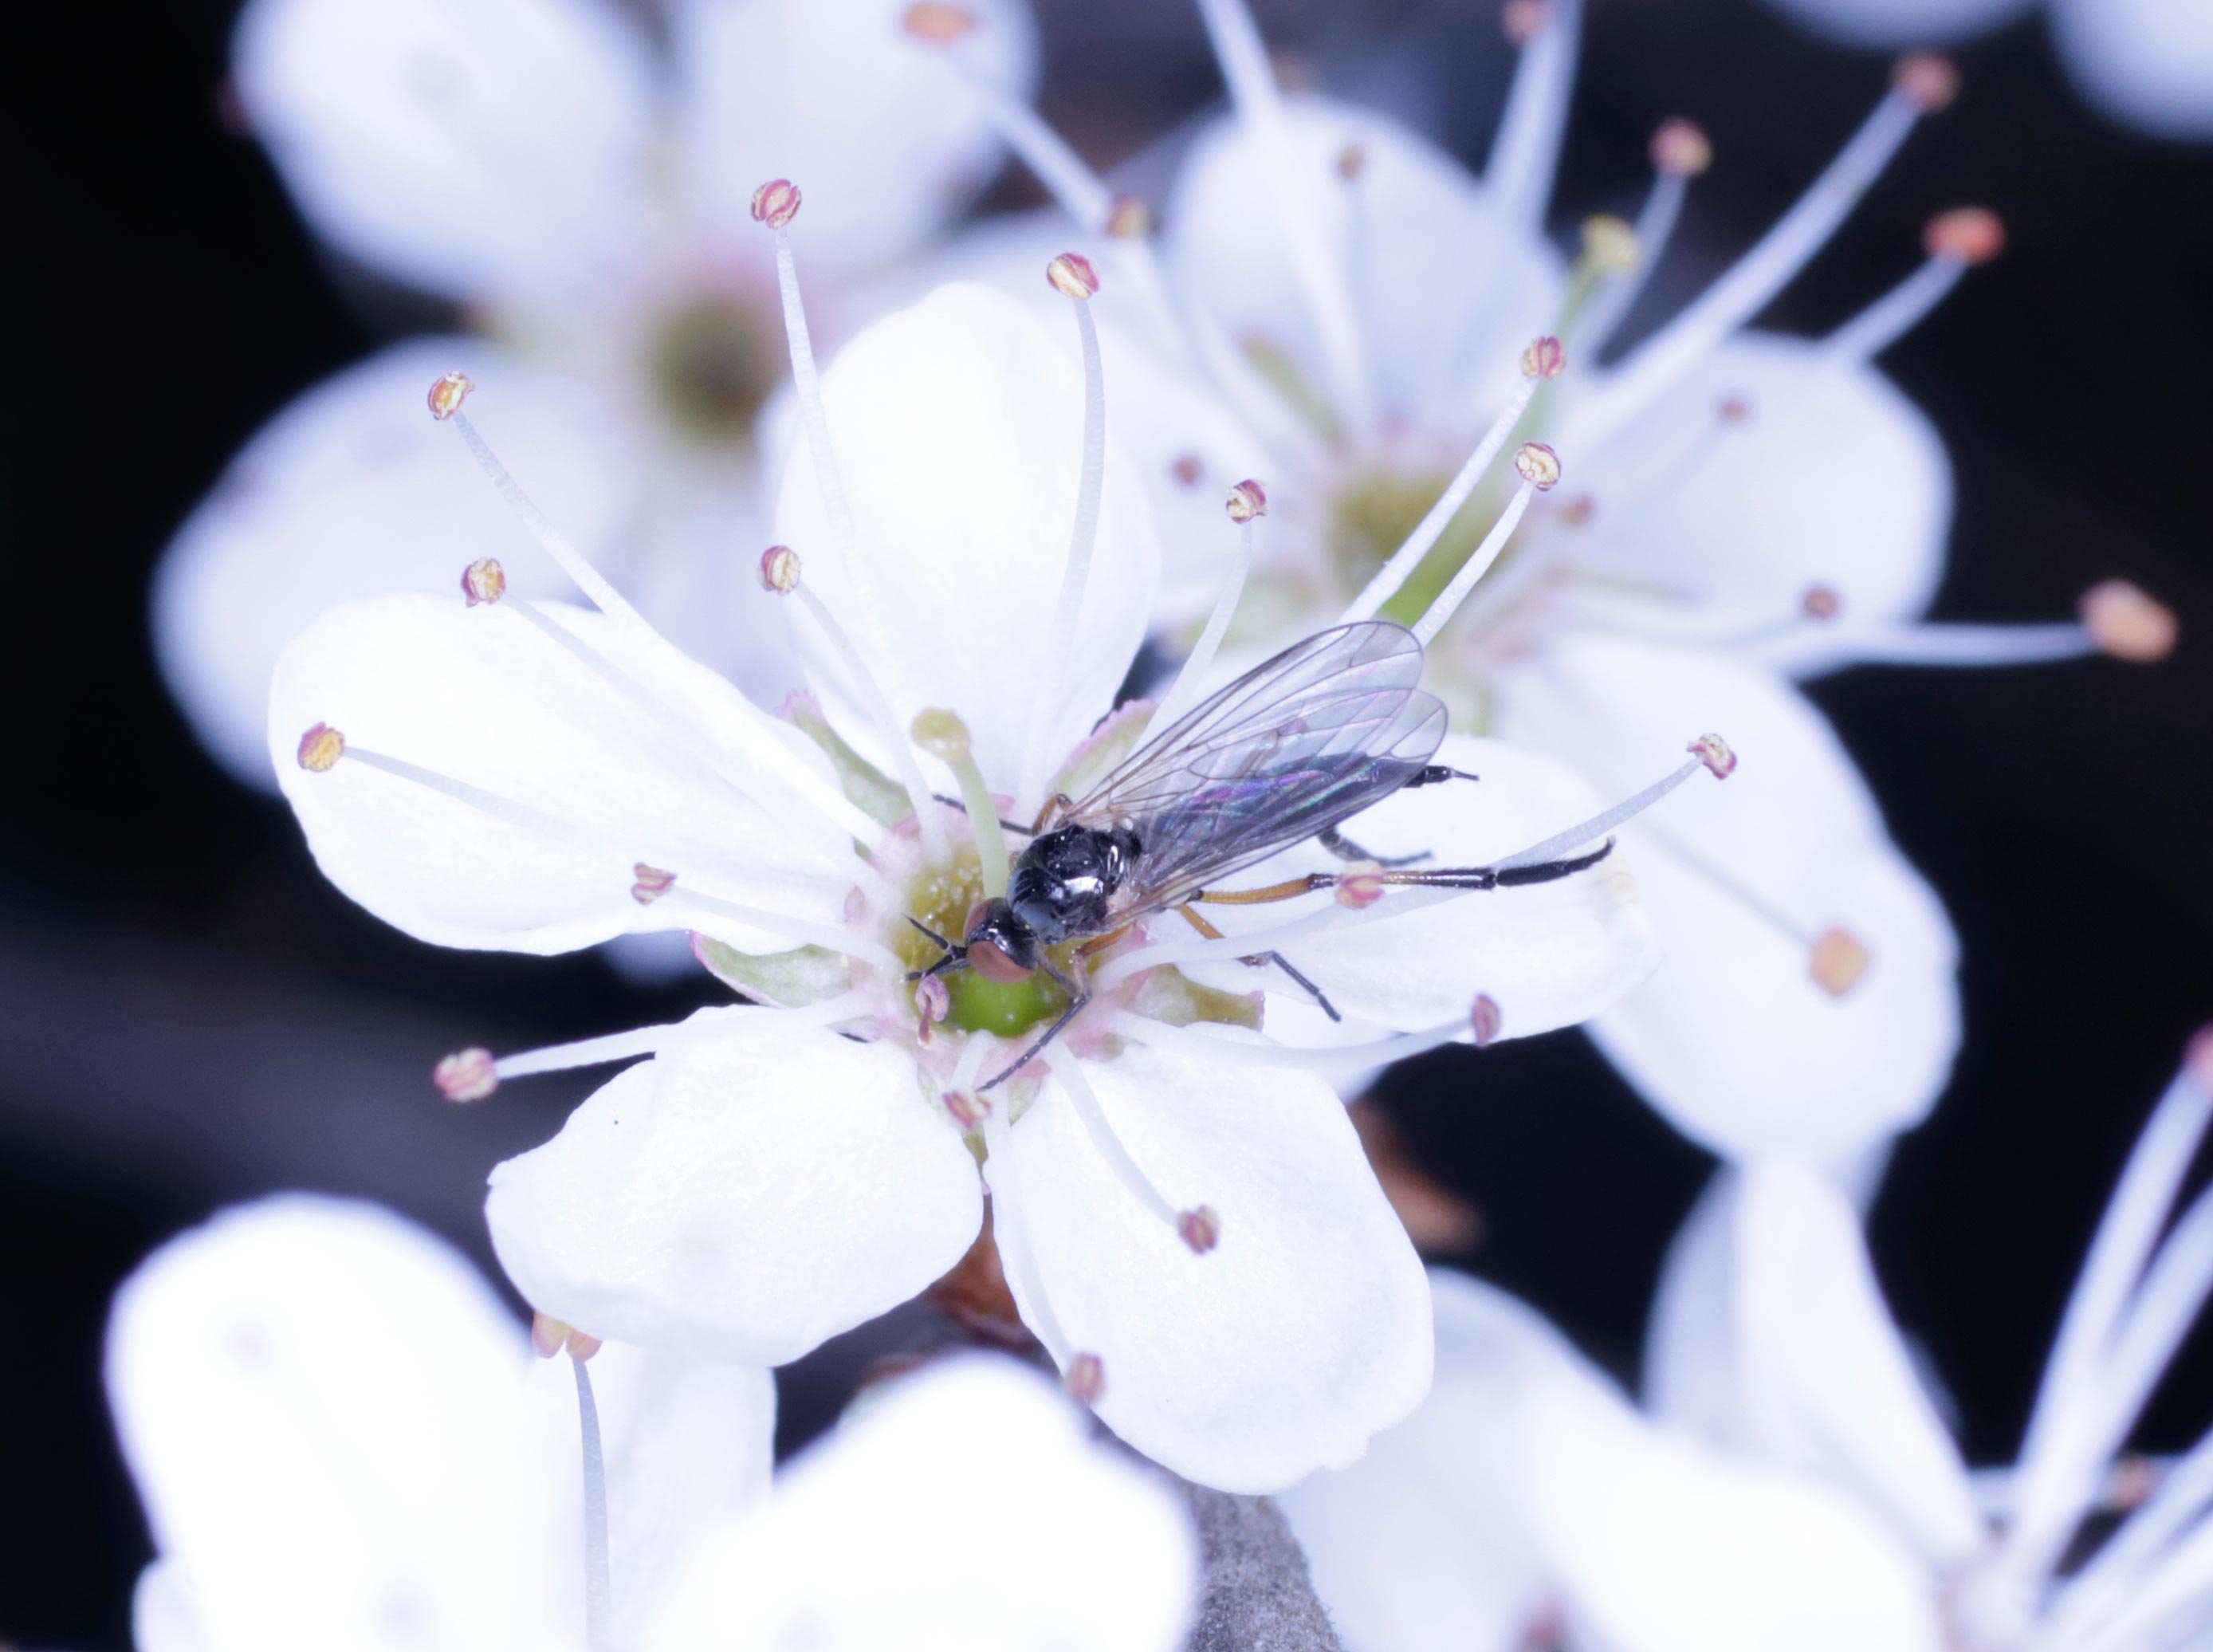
<point>1290,751</point>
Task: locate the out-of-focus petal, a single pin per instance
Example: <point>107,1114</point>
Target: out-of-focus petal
<point>743,1195</point>
<point>1816,475</point>
<point>1733,1037</point>
<point>1281,1350</point>
<point>483,697</point>
<point>161,1613</point>
<point>772,88</point>
<point>2145,64</point>
<point>1902,22</point>
<point>864,1544</point>
<point>353,491</point>
<point>317,1401</point>
<point>958,425</point>
<point>481,148</point>
<point>1549,955</point>
<point>1448,289</point>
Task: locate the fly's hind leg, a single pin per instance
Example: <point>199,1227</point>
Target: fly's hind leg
<point>1345,849</point>
<point>1262,959</point>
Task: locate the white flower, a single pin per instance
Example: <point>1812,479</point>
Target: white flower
<point>1186,1220</point>
<point>2145,64</point>
<point>1795,1487</point>
<point>583,188</point>
<point>1340,310</point>
<point>343,1441</point>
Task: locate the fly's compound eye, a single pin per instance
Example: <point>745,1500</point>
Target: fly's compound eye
<point>985,955</point>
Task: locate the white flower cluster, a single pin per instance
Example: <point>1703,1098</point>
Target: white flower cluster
<point>805,661</point>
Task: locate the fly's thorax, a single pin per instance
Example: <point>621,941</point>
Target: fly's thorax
<point>1064,883</point>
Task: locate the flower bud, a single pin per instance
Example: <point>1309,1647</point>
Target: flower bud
<point>776,203</point>
<point>448,394</point>
<point>1071,274</point>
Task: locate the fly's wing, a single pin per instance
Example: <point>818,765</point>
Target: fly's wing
<point>1294,746</point>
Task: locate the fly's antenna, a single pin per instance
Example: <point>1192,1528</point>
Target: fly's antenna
<point>956,955</point>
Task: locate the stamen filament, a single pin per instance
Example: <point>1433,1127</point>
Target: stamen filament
<point>1655,224</point>
<point>1075,572</point>
<point>1842,642</point>
<point>807,384</point>
<point>1599,824</point>
<point>1252,90</point>
<point>1013,1237</point>
<point>1867,334</point>
<point>1527,152</point>
<point>700,1027</point>
<point>1408,556</point>
<point>1247,1052</point>
<point>1184,692</point>
<point>597,1634</point>
<point>863,682</point>
<point>1475,567</point>
<point>945,737</point>
<point>1067,1068</point>
<point>571,561</point>
<point>1756,278</point>
<point>2115,1577</point>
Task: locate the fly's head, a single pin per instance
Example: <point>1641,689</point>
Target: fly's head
<point>999,945</point>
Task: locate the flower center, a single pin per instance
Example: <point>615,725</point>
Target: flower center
<point>712,367</point>
<point>1377,512</point>
<point>943,896</point>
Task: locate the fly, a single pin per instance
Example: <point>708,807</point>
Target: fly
<point>1290,751</point>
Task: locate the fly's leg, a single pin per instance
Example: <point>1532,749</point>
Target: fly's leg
<point>1345,849</point>
<point>1262,959</point>
<point>1011,826</point>
<point>1437,773</point>
<point>1442,877</point>
<point>1079,995</point>
<point>1060,803</point>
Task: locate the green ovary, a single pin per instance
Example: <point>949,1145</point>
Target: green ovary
<point>1376,511</point>
<point>711,371</point>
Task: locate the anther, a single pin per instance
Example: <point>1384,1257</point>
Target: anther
<point>1485,1020</point>
<point>1522,20</point>
<point>1610,246</point>
<point>1714,752</point>
<point>1072,274</point>
<point>779,570</point>
<point>2197,1059</point>
<point>1839,960</point>
<point>937,22</point>
<point>651,883</point>
<point>776,203</point>
<point>1544,359</point>
<point>1086,1379</point>
<point>933,1002</point>
<point>549,1336</point>
<point>1733,410</point>
<point>1352,161</point>
<point>466,1075</point>
<point>448,394</point>
<point>2126,623</point>
<point>1820,602</point>
<point>319,748</point>
<point>1360,886</point>
<point>1681,149</point>
<point>1200,1228</point>
<point>1929,80</point>
<point>1188,469</point>
<point>1246,500</point>
<point>967,1109</point>
<point>1128,218</point>
<point>1966,234</point>
<point>484,580</point>
<point>1538,465</point>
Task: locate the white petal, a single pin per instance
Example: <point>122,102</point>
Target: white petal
<point>1446,289</point>
<point>1693,1355</point>
<point>1280,1351</point>
<point>317,1401</point>
<point>958,428</point>
<point>482,696</point>
<point>743,1197</point>
<point>1901,23</point>
<point>685,1443</point>
<point>163,1617</point>
<point>1550,956</point>
<point>1824,1383</point>
<point>2146,64</point>
<point>483,148</point>
<point>771,88</point>
<point>1731,1037</point>
<point>1833,478</point>
<point>963,1510</point>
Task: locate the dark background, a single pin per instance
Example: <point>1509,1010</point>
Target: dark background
<point>192,1016</point>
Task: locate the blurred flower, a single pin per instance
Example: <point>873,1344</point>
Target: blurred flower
<point>343,1441</point>
<point>858,1548</point>
<point>581,184</point>
<point>1795,1487</point>
<point>1340,309</point>
<point>537,777</point>
<point>2145,64</point>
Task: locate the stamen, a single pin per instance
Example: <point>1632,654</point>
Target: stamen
<point>1539,469</point>
<point>2127,625</point>
<point>467,1075</point>
<point>1322,282</point>
<point>1839,960</point>
<point>780,574</point>
<point>1186,948</point>
<point>484,580</point>
<point>945,737</point>
<point>701,1026</point>
<point>1708,747</point>
<point>2121,1572</point>
<point>1246,503</point>
<point>1956,242</point>
<point>597,1636</point>
<point>1013,1241</point>
<point>1067,1068</point>
<point>1360,885</point>
<point>1680,151</point>
<point>1526,153</point>
<point>1085,1379</point>
<point>1542,360</point>
<point>650,883</point>
<point>1072,274</point>
<point>1485,1020</point>
<point>320,748</point>
<point>1756,278</point>
<point>937,22</point>
<point>1251,1050</point>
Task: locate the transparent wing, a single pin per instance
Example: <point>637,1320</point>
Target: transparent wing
<point>1297,744</point>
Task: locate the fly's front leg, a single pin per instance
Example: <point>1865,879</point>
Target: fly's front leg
<point>1078,988</point>
<point>1060,803</point>
<point>1262,959</point>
